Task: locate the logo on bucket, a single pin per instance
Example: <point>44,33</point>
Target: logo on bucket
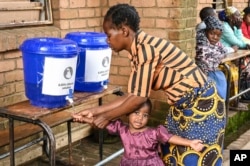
<point>105,62</point>
<point>68,72</point>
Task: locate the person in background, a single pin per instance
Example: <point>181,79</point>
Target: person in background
<point>204,13</point>
<point>245,26</point>
<point>141,142</point>
<point>196,110</point>
<point>232,34</point>
<point>210,52</point>
<point>232,37</point>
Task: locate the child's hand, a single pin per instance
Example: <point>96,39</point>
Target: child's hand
<point>83,116</point>
<point>196,145</point>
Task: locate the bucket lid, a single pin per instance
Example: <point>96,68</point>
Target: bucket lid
<point>88,38</point>
<point>49,45</point>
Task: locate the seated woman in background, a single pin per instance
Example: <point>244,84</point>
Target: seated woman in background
<point>245,26</point>
<point>232,35</point>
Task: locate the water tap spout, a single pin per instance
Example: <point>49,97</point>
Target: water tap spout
<point>69,98</point>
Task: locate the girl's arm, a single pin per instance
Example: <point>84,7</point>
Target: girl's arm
<point>101,115</point>
<point>194,144</point>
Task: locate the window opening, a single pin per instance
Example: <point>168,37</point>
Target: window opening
<point>15,13</point>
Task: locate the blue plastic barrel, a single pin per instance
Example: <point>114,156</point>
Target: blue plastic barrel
<point>93,62</point>
<point>49,66</point>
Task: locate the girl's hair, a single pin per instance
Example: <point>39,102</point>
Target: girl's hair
<point>146,103</point>
<point>123,14</point>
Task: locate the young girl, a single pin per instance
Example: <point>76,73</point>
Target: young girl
<point>196,110</point>
<point>141,142</point>
<point>210,52</point>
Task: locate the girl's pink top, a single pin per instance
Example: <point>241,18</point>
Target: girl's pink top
<point>140,148</point>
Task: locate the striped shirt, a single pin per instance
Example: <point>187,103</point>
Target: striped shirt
<point>159,65</point>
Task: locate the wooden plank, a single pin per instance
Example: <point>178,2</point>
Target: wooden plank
<point>236,55</point>
<point>26,110</point>
<point>52,117</point>
<point>29,129</point>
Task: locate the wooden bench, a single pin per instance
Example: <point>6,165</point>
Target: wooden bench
<point>26,130</point>
<point>42,120</point>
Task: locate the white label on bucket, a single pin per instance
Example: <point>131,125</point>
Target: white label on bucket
<point>97,65</point>
<point>58,75</point>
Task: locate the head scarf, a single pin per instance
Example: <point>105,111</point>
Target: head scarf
<point>230,10</point>
<point>213,23</point>
<point>225,14</point>
<point>222,15</point>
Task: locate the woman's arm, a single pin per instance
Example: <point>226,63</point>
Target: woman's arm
<point>101,115</point>
<point>131,103</point>
<point>232,37</point>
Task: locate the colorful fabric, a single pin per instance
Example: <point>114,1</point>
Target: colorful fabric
<point>234,70</point>
<point>213,23</point>
<point>231,10</point>
<point>140,148</point>
<point>208,56</point>
<point>200,114</point>
<point>155,66</point>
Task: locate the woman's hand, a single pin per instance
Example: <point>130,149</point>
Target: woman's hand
<point>101,121</point>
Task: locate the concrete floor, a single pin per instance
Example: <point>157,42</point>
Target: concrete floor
<point>84,153</point>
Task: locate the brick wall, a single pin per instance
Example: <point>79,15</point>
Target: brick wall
<point>171,19</point>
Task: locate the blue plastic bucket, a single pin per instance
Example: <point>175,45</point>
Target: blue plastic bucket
<point>49,66</point>
<point>93,62</point>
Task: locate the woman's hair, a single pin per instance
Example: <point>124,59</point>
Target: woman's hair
<point>123,14</point>
<point>246,10</point>
<point>205,12</point>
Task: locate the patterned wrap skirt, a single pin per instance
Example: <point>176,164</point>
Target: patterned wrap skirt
<point>200,114</point>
